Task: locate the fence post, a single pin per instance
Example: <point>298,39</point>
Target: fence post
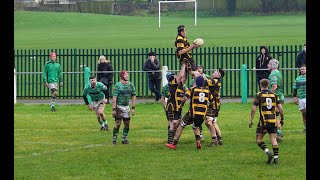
<point>86,80</point>
<point>244,84</point>
<point>164,74</point>
<point>164,77</point>
<point>15,85</point>
<point>86,75</point>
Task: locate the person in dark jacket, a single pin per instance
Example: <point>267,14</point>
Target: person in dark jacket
<point>261,63</point>
<point>153,64</point>
<point>105,77</point>
<point>301,58</point>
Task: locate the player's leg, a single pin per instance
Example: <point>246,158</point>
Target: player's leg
<point>275,146</point>
<point>158,89</point>
<point>53,88</point>
<point>196,130</point>
<point>303,108</point>
<point>126,121</point>
<point>171,130</point>
<point>117,124</point>
<point>103,116</point>
<point>260,133</point>
<point>125,132</point>
<point>212,131</point>
<point>218,131</point>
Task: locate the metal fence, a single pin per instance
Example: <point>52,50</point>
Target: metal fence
<point>29,65</point>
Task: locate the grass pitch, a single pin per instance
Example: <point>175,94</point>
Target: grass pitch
<point>68,144</point>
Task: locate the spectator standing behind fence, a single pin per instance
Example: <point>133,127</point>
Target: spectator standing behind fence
<point>154,78</point>
<point>52,75</point>
<point>299,93</point>
<point>105,77</point>
<point>302,57</point>
<point>262,63</point>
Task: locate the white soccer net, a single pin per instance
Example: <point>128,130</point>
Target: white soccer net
<point>186,1</point>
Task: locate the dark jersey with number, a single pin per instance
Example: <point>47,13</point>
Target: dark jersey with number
<point>182,43</point>
<point>175,95</point>
<point>214,86</point>
<point>199,98</point>
<point>267,102</point>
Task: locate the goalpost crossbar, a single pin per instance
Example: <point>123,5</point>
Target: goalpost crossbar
<point>195,9</point>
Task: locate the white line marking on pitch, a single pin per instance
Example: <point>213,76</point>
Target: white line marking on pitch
<point>61,150</point>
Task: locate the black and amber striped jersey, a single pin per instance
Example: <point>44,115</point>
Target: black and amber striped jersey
<point>267,102</point>
<point>199,98</point>
<point>214,86</point>
<point>182,43</point>
<point>175,95</point>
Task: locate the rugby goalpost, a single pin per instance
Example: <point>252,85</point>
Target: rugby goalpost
<point>195,9</point>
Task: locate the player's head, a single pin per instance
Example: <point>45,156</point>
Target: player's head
<point>152,54</point>
<point>181,28</point>
<point>170,76</point>
<point>273,64</point>
<point>93,81</point>
<point>264,83</point>
<point>53,56</point>
<point>102,59</point>
<point>219,73</point>
<point>303,69</point>
<point>200,69</point>
<point>199,81</point>
<point>124,75</point>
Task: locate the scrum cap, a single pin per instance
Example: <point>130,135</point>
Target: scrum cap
<point>170,76</point>
<point>274,63</point>
<point>53,54</point>
<point>200,81</point>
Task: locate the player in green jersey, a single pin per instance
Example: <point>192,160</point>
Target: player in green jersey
<point>276,86</point>
<point>52,75</point>
<point>299,93</point>
<point>97,92</point>
<point>123,91</point>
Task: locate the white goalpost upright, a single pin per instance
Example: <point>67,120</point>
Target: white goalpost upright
<point>195,9</point>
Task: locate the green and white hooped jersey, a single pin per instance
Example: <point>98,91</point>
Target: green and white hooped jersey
<point>300,85</point>
<point>275,77</point>
<point>124,92</point>
<point>95,93</point>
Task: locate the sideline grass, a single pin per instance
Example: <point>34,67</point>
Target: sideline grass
<point>68,145</point>
<point>60,30</point>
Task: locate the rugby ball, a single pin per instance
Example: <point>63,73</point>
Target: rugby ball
<point>198,41</point>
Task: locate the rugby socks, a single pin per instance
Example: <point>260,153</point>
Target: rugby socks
<point>275,151</point>
<point>263,146</point>
<point>53,101</point>
<point>170,136</point>
<point>115,133</point>
<point>105,122</point>
<point>125,133</point>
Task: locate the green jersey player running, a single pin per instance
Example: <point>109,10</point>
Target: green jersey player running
<point>276,86</point>
<point>97,92</point>
<point>122,92</point>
